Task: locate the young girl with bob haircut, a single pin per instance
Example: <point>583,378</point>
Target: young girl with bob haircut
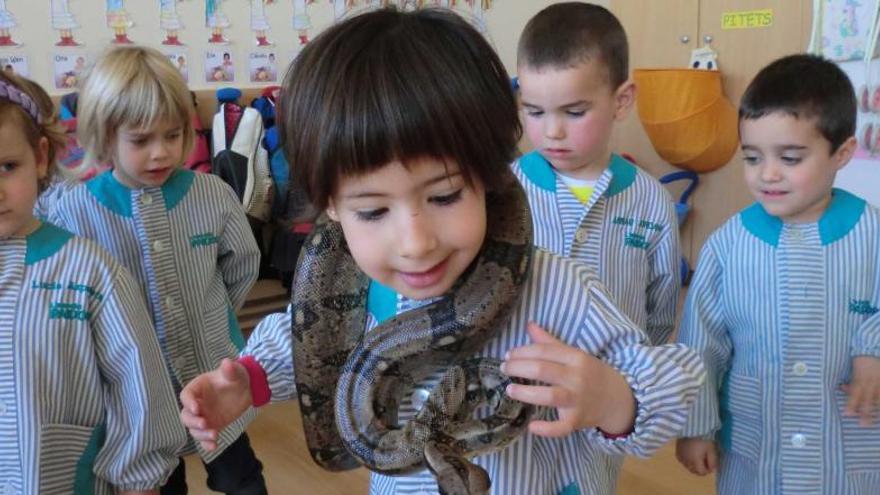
<point>183,235</point>
<point>81,409</point>
<point>402,125</point>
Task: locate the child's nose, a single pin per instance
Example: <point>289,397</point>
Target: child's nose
<point>160,150</point>
<point>770,172</point>
<point>554,128</point>
<point>416,238</point>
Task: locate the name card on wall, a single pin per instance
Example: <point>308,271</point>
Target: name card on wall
<point>747,19</point>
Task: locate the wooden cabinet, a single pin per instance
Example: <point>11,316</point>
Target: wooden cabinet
<point>662,33</point>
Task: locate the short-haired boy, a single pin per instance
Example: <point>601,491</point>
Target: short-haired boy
<point>587,202</point>
<point>784,303</point>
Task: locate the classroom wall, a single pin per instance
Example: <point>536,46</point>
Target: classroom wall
<point>504,21</point>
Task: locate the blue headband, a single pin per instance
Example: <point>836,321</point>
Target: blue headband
<point>20,98</point>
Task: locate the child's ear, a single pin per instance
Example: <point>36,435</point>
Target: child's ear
<point>844,153</point>
<point>624,98</point>
<point>331,211</point>
<point>41,157</point>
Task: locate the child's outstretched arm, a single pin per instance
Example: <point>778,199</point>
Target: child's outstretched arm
<point>625,395</point>
<point>864,386</point>
<point>213,400</point>
<point>664,257</point>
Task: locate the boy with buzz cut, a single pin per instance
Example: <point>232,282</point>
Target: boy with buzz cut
<point>784,303</point>
<point>587,202</point>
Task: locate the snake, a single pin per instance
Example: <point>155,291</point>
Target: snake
<point>350,383</point>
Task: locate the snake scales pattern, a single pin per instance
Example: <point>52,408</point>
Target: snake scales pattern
<point>350,383</point>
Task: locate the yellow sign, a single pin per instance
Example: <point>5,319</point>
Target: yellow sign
<point>747,19</point>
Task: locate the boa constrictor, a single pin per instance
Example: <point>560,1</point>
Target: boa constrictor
<point>350,384</point>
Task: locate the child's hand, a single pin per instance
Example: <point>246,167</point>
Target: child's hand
<point>863,389</point>
<point>584,390</point>
<point>699,456</point>
<point>213,400</point>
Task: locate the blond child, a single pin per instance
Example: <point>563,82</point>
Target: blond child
<point>183,235</point>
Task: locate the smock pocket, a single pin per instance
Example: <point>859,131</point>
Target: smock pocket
<point>221,333</point>
<point>741,406</point>
<point>67,458</point>
<point>861,444</point>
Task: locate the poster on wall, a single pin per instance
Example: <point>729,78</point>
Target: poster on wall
<point>217,21</point>
<point>15,64</point>
<point>7,22</point>
<point>67,68</point>
<point>259,21</point>
<point>180,60</point>
<point>262,67</point>
<point>170,22</point>
<point>301,20</point>
<point>862,175</point>
<point>844,28</point>
<point>119,21</point>
<point>219,66</point>
<point>62,20</point>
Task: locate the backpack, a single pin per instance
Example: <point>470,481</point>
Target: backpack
<point>71,156</point>
<point>238,155</point>
<point>279,170</point>
<point>199,158</point>
<point>265,104</point>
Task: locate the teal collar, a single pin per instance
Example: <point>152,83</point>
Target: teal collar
<point>381,301</point>
<point>841,216</point>
<point>44,242</point>
<point>116,196</point>
<point>539,171</point>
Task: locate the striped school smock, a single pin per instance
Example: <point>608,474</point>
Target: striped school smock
<point>566,298</point>
<point>627,232</point>
<point>81,406</point>
<point>778,311</point>
<point>189,245</point>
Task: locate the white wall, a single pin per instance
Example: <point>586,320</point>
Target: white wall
<point>505,21</point>
<point>862,175</point>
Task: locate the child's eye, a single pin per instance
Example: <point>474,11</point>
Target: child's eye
<point>791,160</point>
<point>7,167</point>
<point>447,199</point>
<point>534,113</point>
<point>575,113</point>
<point>138,141</point>
<point>371,215</point>
<point>751,160</point>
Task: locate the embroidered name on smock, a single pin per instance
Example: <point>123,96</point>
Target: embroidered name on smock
<point>68,311</point>
<point>635,222</point>
<point>73,286</point>
<point>202,240</point>
<point>862,307</point>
